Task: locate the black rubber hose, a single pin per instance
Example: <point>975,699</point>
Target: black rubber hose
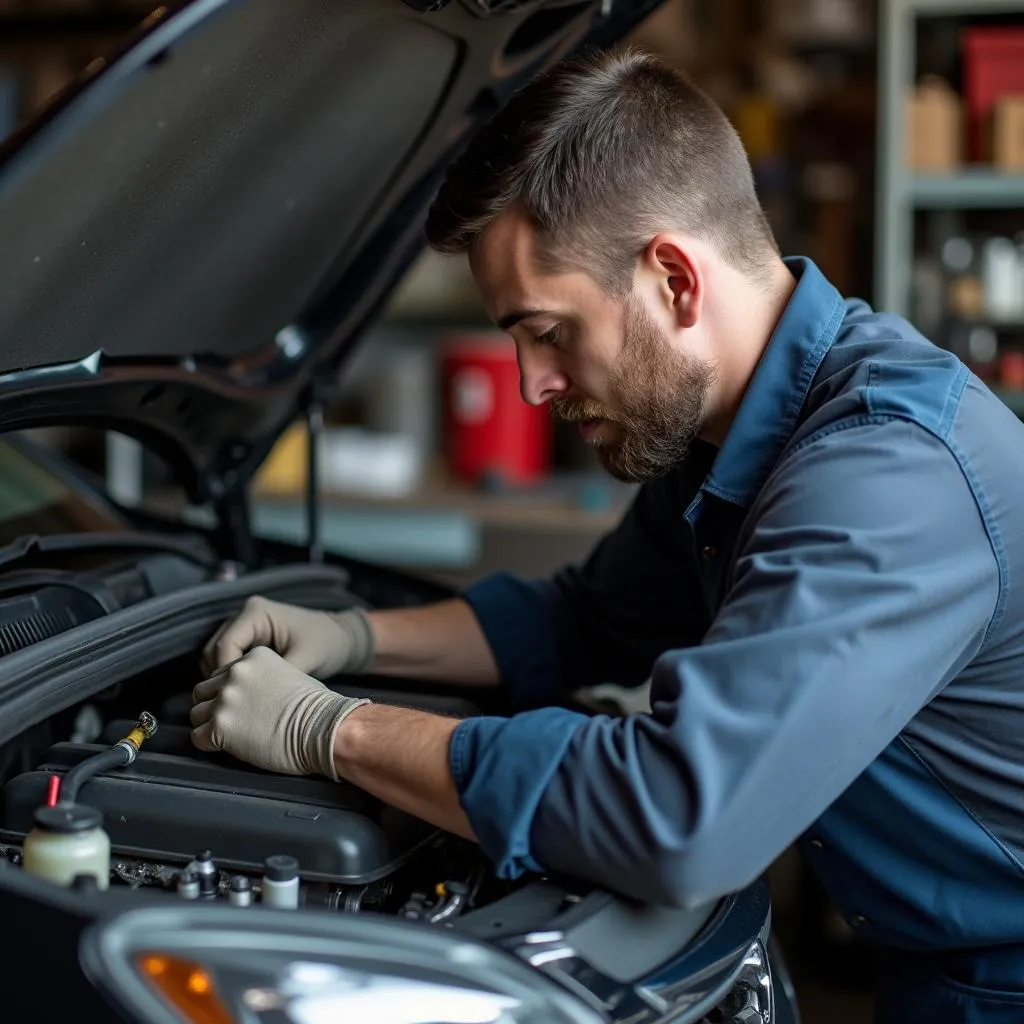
<point>113,758</point>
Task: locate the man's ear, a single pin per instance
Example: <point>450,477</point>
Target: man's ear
<point>677,271</point>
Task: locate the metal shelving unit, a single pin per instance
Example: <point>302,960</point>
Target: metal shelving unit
<point>969,190</point>
<point>900,192</point>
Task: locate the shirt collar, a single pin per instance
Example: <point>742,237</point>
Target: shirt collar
<point>768,413</point>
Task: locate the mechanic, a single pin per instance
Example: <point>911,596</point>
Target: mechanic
<point>822,572</point>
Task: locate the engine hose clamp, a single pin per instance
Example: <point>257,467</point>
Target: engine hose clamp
<point>132,750</point>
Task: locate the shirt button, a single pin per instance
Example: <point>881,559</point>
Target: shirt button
<point>708,551</point>
<point>817,844</point>
<point>859,920</point>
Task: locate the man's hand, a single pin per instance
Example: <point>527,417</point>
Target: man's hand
<point>318,643</point>
<point>265,711</point>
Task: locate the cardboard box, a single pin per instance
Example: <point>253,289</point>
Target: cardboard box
<point>1008,134</point>
<point>934,127</point>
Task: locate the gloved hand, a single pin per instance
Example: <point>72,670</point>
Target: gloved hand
<point>321,644</point>
<point>266,712</point>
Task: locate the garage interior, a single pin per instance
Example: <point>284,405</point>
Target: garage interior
<point>887,142</point>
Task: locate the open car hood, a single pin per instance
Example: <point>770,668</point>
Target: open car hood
<point>193,235</point>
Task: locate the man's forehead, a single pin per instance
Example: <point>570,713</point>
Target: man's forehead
<point>503,257</point>
<point>511,279</point>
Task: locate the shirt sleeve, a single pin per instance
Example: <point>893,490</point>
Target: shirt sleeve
<point>607,620</point>
<point>866,580</point>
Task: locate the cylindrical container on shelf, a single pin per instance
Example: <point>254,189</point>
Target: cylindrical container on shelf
<point>490,432</point>
<point>1001,280</point>
<point>403,394</point>
<point>67,841</point>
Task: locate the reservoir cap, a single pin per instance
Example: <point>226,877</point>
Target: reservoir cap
<point>280,868</point>
<point>68,818</point>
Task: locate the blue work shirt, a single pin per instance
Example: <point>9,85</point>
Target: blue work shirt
<point>830,608</point>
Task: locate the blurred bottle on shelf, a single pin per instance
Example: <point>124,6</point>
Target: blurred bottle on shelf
<point>982,350</point>
<point>964,295</point>
<point>928,295</point>
<point>1008,134</point>
<point>1011,370</point>
<point>934,118</point>
<point>1002,277</point>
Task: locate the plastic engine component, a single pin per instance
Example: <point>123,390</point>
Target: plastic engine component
<point>164,807</point>
<point>30,618</point>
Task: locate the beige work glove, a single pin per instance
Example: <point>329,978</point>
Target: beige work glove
<point>266,712</point>
<point>321,644</point>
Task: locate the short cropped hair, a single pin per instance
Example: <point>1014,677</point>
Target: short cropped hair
<point>601,153</point>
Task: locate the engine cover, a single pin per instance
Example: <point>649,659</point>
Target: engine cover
<point>165,807</point>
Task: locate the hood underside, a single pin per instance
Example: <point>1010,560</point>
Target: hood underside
<point>196,232</point>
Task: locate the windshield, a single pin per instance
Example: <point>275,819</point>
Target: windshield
<point>34,499</point>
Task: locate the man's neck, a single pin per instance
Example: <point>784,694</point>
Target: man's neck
<point>747,322</point>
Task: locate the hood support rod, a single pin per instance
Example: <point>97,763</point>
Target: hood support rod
<point>314,509</point>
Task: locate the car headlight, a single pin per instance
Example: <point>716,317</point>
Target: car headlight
<point>216,966</point>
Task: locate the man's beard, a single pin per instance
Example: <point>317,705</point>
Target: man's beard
<point>657,401</point>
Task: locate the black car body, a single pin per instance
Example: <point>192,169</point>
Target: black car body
<point>194,237</point>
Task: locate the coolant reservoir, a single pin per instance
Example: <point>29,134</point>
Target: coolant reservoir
<point>68,840</point>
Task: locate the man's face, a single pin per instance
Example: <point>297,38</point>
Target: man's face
<point>655,402</point>
<point>602,362</point>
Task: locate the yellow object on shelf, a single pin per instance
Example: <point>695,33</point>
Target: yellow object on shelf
<point>284,471</point>
<point>756,119</point>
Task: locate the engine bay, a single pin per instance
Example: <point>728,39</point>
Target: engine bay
<point>205,826</point>
<point>179,822</point>
<point>107,808</point>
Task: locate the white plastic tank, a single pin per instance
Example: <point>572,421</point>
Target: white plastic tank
<point>68,840</point>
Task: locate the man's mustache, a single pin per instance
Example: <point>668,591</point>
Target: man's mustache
<point>577,409</point>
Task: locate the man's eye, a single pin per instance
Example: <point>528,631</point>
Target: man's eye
<point>549,337</point>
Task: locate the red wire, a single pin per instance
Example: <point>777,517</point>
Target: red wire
<point>54,791</point>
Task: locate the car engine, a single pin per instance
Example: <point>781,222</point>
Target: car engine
<point>206,826</point>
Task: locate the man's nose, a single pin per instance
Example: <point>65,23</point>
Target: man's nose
<point>540,377</point>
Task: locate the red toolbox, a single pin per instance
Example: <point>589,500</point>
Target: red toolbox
<point>490,431</point>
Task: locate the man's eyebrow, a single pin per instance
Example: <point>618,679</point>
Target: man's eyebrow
<point>511,319</point>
